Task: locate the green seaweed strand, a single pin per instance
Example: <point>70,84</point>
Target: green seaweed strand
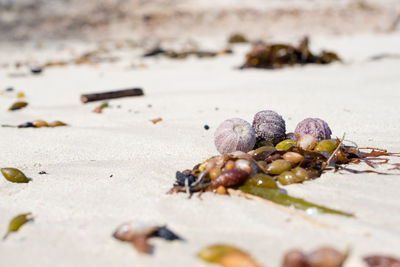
<point>278,197</point>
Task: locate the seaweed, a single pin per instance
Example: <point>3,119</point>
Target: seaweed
<point>275,195</point>
<point>274,56</point>
<point>173,54</point>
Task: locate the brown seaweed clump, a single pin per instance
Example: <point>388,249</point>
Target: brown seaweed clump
<point>273,56</point>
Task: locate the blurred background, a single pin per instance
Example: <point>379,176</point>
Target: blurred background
<point>175,19</point>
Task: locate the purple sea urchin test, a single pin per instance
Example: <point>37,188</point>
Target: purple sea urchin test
<point>269,126</point>
<point>234,134</point>
<point>314,126</point>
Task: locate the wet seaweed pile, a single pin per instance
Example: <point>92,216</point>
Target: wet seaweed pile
<point>274,56</point>
<point>256,161</point>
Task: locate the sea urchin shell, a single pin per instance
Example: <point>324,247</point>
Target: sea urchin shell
<point>234,134</point>
<point>269,126</point>
<point>314,126</point>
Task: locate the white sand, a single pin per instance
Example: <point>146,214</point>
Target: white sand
<point>77,205</point>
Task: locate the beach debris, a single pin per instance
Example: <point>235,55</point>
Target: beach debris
<point>18,105</point>
<point>99,109</point>
<point>257,172</point>
<point>138,234</point>
<point>237,38</point>
<point>14,175</point>
<point>226,256</point>
<point>320,257</point>
<point>382,261</point>
<point>37,124</point>
<point>206,127</point>
<point>36,70</point>
<point>273,56</point>
<point>20,95</point>
<point>384,56</point>
<point>56,124</point>
<point>234,134</point>
<point>286,144</point>
<point>111,94</point>
<point>42,172</point>
<point>88,58</point>
<point>17,222</point>
<point>269,126</point>
<point>156,120</point>
<point>158,51</point>
<point>306,142</point>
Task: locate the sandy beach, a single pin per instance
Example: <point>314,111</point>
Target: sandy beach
<point>109,168</point>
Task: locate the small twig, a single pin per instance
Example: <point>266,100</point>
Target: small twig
<point>111,94</point>
<point>334,153</point>
<point>157,120</point>
<point>302,216</point>
<point>363,171</point>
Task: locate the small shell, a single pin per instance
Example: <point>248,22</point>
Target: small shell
<point>307,142</point>
<point>314,126</point>
<point>234,134</point>
<point>229,178</point>
<point>269,126</point>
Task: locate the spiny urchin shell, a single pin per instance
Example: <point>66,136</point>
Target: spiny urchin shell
<point>269,126</point>
<point>314,126</point>
<point>234,134</point>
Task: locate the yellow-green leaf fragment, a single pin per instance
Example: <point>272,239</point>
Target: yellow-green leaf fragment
<point>286,144</point>
<point>292,202</point>
<point>328,145</point>
<point>17,105</point>
<point>57,124</point>
<point>17,222</point>
<point>14,175</point>
<point>213,253</point>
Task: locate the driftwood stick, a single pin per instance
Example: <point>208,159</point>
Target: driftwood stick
<point>292,212</point>
<point>111,94</point>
